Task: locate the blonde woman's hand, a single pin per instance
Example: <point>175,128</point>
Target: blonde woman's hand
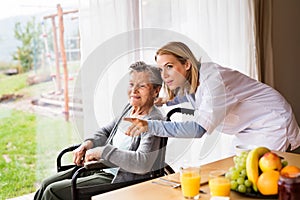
<point>137,127</point>
<point>160,101</point>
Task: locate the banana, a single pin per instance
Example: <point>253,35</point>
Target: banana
<point>252,164</point>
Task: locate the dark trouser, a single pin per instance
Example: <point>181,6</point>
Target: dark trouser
<point>297,150</point>
<point>58,186</point>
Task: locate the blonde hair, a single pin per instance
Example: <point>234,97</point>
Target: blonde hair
<point>183,54</point>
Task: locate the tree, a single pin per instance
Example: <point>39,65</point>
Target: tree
<point>31,43</point>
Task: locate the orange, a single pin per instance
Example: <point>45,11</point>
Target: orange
<point>267,182</point>
<point>289,171</point>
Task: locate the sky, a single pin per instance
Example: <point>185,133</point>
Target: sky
<point>12,8</point>
<point>12,11</point>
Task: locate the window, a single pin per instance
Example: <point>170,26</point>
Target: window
<point>116,33</point>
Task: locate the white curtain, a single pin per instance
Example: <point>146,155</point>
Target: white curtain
<point>223,29</point>
<point>101,20</point>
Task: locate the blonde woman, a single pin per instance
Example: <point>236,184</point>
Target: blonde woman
<point>224,100</point>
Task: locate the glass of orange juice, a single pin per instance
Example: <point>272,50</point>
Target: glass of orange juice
<point>190,182</point>
<point>219,185</point>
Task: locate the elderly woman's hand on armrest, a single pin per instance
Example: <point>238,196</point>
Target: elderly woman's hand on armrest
<point>93,154</point>
<point>79,153</point>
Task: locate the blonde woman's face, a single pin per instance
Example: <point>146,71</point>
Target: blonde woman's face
<point>173,72</point>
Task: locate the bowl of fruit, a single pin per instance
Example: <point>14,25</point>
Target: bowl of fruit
<point>256,173</point>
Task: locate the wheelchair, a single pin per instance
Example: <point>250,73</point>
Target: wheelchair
<point>77,192</point>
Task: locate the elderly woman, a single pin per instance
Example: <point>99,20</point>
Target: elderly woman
<point>135,157</point>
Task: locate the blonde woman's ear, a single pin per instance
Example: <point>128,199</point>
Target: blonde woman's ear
<point>188,65</point>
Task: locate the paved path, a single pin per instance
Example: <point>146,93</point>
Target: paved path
<point>25,197</point>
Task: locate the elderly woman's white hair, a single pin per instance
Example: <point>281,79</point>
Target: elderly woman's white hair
<point>154,73</point>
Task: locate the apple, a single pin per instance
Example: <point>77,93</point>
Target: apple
<point>270,161</point>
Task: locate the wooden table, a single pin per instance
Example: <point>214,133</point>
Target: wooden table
<point>150,191</point>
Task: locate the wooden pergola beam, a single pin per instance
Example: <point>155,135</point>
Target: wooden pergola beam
<point>64,13</point>
<point>59,15</point>
<point>64,59</point>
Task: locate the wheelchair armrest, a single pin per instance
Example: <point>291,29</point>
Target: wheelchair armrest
<point>168,169</point>
<point>186,111</point>
<point>99,164</point>
<point>60,155</point>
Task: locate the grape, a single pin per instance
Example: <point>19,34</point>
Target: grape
<point>233,185</point>
<point>284,163</point>
<point>240,181</point>
<point>243,172</point>
<point>228,175</point>
<point>248,183</point>
<point>244,154</point>
<point>238,174</point>
<point>239,167</point>
<point>235,175</point>
<point>231,169</point>
<point>236,159</point>
<point>243,164</point>
<point>243,176</point>
<point>242,188</point>
<point>243,158</point>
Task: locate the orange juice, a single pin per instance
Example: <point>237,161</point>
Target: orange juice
<point>190,183</point>
<point>219,186</point>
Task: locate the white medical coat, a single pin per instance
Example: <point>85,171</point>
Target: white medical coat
<point>232,103</point>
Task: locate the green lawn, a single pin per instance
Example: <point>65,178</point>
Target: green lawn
<point>18,160</point>
<point>29,146</point>
<point>29,143</point>
<point>11,84</point>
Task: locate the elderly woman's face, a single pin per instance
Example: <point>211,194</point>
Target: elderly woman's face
<point>140,91</point>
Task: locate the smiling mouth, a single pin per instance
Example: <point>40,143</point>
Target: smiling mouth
<point>135,97</point>
<point>169,82</point>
